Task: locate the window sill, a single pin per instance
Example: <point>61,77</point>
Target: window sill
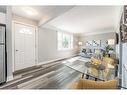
<point>65,49</point>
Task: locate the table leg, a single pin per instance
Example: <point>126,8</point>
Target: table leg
<point>95,79</point>
<point>82,75</point>
<point>87,76</point>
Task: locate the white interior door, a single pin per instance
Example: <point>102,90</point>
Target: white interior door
<point>24,46</point>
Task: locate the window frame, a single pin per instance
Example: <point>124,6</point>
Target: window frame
<point>71,42</point>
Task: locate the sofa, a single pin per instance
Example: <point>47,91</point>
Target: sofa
<point>87,53</point>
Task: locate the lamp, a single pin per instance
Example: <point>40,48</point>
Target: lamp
<point>80,43</point>
<point>111,41</point>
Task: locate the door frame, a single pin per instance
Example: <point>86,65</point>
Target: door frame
<point>13,41</point>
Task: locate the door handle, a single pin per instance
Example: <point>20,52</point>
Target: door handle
<point>16,50</point>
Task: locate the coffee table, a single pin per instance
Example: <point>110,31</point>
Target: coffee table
<point>88,70</point>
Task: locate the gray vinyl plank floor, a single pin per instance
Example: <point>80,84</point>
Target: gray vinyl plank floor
<point>48,76</point>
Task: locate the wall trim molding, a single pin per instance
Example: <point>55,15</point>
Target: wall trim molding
<point>58,59</point>
<point>9,78</point>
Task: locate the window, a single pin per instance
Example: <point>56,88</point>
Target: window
<point>65,41</point>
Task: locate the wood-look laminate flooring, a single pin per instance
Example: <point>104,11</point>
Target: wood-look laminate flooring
<point>48,76</point>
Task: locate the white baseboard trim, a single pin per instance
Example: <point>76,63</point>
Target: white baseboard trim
<point>45,62</point>
<point>9,78</point>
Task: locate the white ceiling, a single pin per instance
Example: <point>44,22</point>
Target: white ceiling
<point>88,19</point>
<point>39,13</point>
<point>78,19</point>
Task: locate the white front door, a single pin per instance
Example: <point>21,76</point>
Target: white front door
<point>24,46</point>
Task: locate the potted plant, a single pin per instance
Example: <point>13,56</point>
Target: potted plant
<point>109,50</point>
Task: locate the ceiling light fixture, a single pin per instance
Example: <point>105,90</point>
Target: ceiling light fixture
<point>30,11</point>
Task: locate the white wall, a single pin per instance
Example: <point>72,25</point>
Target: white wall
<point>46,41</point>
<point>103,37</point>
<point>2,18</point>
<point>9,43</point>
<point>47,46</point>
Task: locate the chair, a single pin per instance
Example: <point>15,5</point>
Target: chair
<point>108,60</point>
<point>90,84</point>
<point>109,64</point>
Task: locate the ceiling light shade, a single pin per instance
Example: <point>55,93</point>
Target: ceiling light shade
<point>30,11</point>
<point>111,41</point>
